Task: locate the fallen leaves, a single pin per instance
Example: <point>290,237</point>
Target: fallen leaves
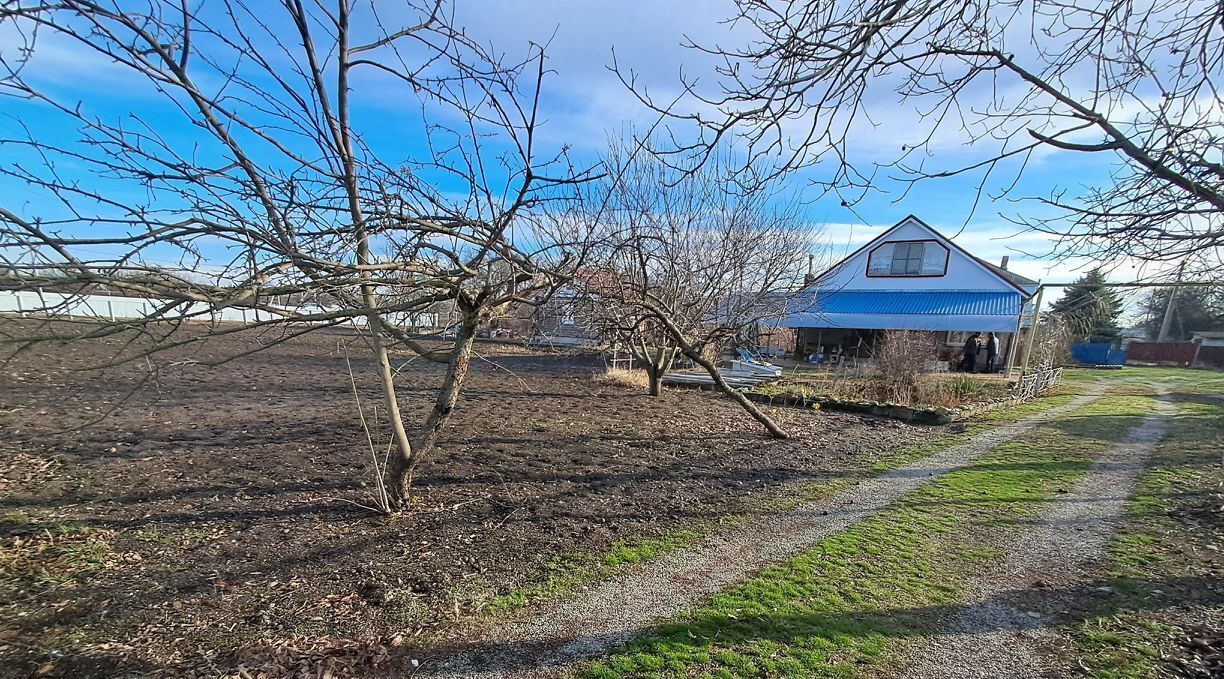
<point>311,658</point>
<point>1200,652</point>
<point>58,553</point>
<point>23,468</point>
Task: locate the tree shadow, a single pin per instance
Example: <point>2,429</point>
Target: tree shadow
<point>1015,610</point>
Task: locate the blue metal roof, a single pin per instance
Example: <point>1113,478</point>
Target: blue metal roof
<point>906,309</point>
<point>960,302</point>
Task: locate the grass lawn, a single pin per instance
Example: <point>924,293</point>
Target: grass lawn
<point>1165,565</point>
<point>837,608</point>
<point>1179,380</point>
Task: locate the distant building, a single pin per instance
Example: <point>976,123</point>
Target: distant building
<point>1208,338</point>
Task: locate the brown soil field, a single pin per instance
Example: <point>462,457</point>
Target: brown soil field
<point>182,525</point>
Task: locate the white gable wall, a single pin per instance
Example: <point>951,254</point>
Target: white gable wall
<point>964,273</point>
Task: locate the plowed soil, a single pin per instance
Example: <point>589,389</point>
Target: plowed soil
<point>168,525</point>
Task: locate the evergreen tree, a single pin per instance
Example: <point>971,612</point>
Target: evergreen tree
<point>1194,310</point>
<point>1091,309</point>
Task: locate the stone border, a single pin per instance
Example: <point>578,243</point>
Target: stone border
<point>932,415</point>
<point>919,415</point>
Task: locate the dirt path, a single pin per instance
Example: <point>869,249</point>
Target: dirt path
<point>1003,629</point>
<point>612,612</point>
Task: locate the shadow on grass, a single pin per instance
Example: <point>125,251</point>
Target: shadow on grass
<point>690,643</point>
<point>1107,428</point>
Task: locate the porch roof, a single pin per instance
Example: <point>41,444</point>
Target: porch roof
<point>953,310</point>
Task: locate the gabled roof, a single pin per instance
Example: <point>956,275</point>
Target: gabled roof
<point>1013,280</point>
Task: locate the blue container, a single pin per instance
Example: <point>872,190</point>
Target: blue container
<point>1097,353</point>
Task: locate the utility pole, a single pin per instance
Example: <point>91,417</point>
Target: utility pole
<point>1167,323</point>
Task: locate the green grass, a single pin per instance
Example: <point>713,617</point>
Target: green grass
<point>573,569</point>
<point>14,519</point>
<point>53,555</point>
<point>838,606</point>
<point>1156,562</point>
<point>1185,380</point>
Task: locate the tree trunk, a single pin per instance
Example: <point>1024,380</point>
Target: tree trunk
<point>770,426</point>
<point>656,365</point>
<point>452,385</point>
<point>401,468</point>
<point>400,464</point>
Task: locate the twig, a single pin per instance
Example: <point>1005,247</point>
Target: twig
<point>507,518</point>
<point>380,498</point>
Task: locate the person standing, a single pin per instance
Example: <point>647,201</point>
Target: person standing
<point>971,351</point>
<point>992,352</point>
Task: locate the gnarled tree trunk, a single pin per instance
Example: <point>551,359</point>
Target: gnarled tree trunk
<point>410,452</point>
<point>756,413</point>
<point>657,364</point>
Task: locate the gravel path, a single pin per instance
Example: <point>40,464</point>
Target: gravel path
<point>1003,629</point>
<point>612,612</point>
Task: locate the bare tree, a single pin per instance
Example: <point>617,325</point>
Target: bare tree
<point>246,166</point>
<point>686,263</point>
<point>1001,81</point>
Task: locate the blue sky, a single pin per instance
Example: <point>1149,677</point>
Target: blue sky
<point>584,102</point>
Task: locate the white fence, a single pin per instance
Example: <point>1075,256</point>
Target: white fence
<point>1034,383</point>
<point>45,304</point>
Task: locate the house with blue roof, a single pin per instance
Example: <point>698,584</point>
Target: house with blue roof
<point>909,278</point>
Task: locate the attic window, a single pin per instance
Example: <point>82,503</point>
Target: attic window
<point>908,258</point>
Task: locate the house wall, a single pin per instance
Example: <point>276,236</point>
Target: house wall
<point>560,317</point>
<point>963,273</point>
<point>776,339</point>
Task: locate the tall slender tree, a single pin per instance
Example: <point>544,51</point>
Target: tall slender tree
<point>1195,308</point>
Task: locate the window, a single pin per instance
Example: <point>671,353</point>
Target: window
<point>958,338</point>
<point>908,258</point>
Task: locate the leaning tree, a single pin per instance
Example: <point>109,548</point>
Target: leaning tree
<point>249,160</point>
<point>684,263</point>
<point>913,90</point>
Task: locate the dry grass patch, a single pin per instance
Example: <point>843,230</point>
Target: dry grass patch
<point>624,377</point>
<point>946,390</point>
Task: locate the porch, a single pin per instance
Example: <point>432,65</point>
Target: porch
<point>843,327</point>
<point>854,347</point>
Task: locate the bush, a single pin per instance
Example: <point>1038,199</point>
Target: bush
<point>952,392</point>
<point>899,360</point>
